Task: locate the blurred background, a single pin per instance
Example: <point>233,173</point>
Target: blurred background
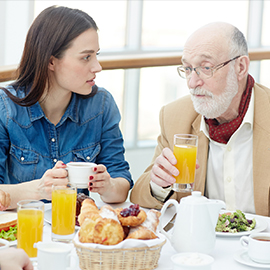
<point>140,27</point>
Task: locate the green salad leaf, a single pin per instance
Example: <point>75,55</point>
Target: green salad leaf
<point>10,235</point>
<point>234,222</point>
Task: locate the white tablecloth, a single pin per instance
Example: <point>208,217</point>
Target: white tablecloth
<point>223,253</point>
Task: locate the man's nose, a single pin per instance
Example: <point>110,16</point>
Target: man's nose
<point>194,80</point>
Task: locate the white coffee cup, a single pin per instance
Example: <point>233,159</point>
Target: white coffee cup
<point>55,255</point>
<point>258,246</point>
<point>4,244</point>
<point>79,173</point>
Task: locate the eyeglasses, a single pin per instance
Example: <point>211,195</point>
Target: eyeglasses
<point>202,72</point>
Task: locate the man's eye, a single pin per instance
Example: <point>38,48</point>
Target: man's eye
<point>206,68</point>
<point>187,69</point>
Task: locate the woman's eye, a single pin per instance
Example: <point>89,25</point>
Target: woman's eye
<point>87,57</point>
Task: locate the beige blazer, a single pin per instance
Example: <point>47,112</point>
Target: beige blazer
<point>180,117</point>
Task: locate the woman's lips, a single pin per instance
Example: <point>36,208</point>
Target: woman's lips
<point>91,82</point>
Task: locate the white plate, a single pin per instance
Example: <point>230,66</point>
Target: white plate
<point>261,225</point>
<point>48,217</point>
<point>11,243</point>
<point>241,256</point>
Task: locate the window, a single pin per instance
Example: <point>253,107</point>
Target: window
<point>150,26</point>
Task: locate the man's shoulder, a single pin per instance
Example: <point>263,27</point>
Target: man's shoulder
<point>260,87</point>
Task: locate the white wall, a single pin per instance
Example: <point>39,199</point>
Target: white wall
<point>13,33</point>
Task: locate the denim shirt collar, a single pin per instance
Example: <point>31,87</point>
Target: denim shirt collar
<point>36,112</point>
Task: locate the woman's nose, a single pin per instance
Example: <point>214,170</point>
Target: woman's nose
<point>96,67</point>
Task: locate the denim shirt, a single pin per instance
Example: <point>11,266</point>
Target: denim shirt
<point>88,131</point>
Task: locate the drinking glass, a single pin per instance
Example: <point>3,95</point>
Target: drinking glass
<point>30,225</point>
<point>63,212</point>
<point>185,151</point>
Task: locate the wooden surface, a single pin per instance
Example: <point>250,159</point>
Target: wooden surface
<point>8,73</point>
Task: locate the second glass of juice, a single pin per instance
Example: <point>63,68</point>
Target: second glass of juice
<point>185,151</point>
<point>63,212</point>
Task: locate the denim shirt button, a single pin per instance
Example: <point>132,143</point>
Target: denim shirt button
<point>87,157</point>
<point>22,158</point>
<point>53,139</point>
<point>55,160</point>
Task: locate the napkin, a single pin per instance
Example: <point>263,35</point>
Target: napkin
<point>127,243</point>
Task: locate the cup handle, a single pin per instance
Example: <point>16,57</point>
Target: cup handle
<point>244,241</point>
<point>75,262</point>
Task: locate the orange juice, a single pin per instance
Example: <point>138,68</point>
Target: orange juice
<point>186,163</point>
<point>30,230</point>
<point>63,211</point>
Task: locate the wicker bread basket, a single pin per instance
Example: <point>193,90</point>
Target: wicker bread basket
<point>143,258</point>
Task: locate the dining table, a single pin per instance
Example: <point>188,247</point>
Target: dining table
<point>228,252</point>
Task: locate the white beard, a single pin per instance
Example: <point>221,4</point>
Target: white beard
<point>212,106</point>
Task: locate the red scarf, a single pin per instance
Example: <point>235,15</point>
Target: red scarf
<point>222,133</point>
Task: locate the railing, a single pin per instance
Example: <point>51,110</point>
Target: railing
<point>8,73</point>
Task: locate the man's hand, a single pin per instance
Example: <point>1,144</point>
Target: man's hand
<point>164,168</point>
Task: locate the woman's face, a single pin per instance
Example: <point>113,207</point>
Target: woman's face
<point>76,70</point>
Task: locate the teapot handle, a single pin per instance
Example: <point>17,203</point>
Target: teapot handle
<point>163,210</point>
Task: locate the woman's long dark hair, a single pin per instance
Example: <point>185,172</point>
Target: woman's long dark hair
<point>50,34</point>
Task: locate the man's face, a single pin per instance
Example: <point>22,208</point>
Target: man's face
<point>213,96</point>
<point>214,105</point>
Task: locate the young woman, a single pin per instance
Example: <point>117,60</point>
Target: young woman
<point>54,113</point>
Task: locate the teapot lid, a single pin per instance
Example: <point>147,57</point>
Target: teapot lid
<point>195,198</point>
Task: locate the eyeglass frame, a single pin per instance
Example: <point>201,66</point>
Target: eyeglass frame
<point>213,69</point>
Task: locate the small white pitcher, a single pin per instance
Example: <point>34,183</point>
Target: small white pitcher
<point>53,256</point>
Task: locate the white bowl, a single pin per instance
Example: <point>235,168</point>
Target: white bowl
<point>191,261</point>
<point>4,244</point>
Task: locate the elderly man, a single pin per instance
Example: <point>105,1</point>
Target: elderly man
<point>229,113</point>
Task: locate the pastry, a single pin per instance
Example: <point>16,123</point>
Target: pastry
<point>132,216</point>
<point>88,207</point>
<point>148,228</point>
<point>86,232</point>
<point>108,232</point>
<point>141,232</point>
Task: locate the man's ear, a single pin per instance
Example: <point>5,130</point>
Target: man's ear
<point>52,63</point>
<point>242,66</point>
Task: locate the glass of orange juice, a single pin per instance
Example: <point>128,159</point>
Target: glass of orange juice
<point>63,212</point>
<point>30,225</point>
<point>185,151</point>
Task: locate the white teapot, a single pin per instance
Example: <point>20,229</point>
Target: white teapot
<point>194,228</point>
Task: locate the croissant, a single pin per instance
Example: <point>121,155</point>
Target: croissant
<point>88,207</point>
<point>86,232</point>
<point>108,232</point>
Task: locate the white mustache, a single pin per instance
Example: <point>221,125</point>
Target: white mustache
<point>201,92</point>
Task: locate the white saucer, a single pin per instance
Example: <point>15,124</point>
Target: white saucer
<point>241,256</point>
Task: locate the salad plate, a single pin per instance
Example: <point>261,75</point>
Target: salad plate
<point>242,257</point>
<point>48,217</point>
<point>261,225</point>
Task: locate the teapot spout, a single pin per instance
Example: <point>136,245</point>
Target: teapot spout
<point>214,210</point>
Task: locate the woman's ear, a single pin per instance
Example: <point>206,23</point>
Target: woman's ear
<point>51,63</point>
<point>242,67</point>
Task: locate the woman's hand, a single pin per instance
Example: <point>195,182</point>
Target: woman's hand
<point>101,181</point>
<point>56,176</point>
<point>4,200</point>
<point>13,258</point>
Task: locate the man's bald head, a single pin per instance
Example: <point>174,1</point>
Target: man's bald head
<point>222,38</point>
